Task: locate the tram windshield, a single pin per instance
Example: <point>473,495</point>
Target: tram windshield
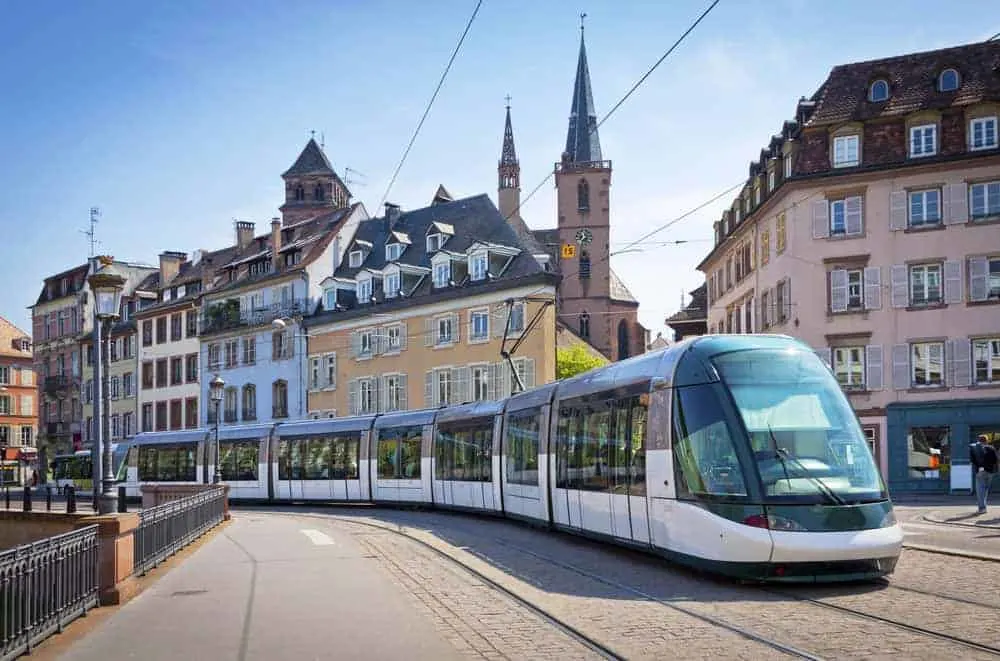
<point>805,438</point>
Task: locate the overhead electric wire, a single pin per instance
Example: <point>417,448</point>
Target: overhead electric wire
<point>430,103</point>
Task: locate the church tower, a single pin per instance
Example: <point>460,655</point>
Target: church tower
<point>312,187</point>
<point>593,301</point>
<point>509,174</point>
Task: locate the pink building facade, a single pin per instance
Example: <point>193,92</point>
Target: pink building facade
<point>870,229</point>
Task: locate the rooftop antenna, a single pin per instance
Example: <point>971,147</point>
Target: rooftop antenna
<point>91,233</point>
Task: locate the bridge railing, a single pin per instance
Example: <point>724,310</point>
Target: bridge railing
<point>44,586</point>
<point>165,529</point>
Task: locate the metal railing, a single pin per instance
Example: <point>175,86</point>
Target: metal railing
<point>44,586</point>
<point>165,529</point>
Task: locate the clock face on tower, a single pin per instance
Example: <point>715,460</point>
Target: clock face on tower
<point>583,236</point>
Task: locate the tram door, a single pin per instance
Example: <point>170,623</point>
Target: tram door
<point>659,468</point>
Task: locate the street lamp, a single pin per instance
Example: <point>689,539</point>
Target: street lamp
<point>106,284</point>
<point>216,389</point>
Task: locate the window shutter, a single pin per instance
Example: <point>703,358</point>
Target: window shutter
<point>953,281</point>
<point>772,311</point>
<point>333,358</point>
<point>897,210</point>
<point>838,290</point>
<point>788,299</point>
<point>499,322</point>
<point>821,219</point>
<point>355,348</point>
<point>377,397</point>
<point>873,367</point>
<point>402,335</point>
<point>492,378</point>
<point>901,366</point>
<point>352,396</point>
<point>956,204</point>
<point>900,286</point>
<point>979,274</point>
<point>429,389</point>
<point>873,288</point>
<point>460,382</point>
<point>855,221</point>
<point>529,373</point>
<point>456,325</point>
<point>430,331</point>
<point>402,392</point>
<point>825,354</point>
<point>961,354</point>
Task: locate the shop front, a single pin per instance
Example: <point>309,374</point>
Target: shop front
<point>928,443</point>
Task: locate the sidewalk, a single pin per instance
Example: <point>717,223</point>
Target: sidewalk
<point>955,509</point>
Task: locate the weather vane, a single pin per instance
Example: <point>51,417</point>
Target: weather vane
<point>507,99</point>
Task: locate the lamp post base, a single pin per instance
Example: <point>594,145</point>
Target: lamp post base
<point>107,503</point>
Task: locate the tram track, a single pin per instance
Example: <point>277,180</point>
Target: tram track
<point>941,595</point>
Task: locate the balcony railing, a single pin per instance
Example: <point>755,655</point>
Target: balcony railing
<point>58,384</point>
<point>227,315</point>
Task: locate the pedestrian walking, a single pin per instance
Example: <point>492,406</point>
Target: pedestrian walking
<point>983,457</point>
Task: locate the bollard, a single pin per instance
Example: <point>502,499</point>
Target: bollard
<point>122,505</point>
<point>6,497</point>
<point>26,501</point>
<point>70,499</point>
<point>48,498</point>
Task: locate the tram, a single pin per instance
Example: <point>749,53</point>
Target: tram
<point>735,454</point>
<point>77,469</point>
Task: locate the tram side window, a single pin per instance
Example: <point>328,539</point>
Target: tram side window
<point>167,463</point>
<point>464,452</point>
<point>345,456</point>
<point>705,460</point>
<point>522,447</point>
<point>319,458</point>
<point>399,453</point>
<point>238,460</point>
<point>584,438</point>
<point>637,432</point>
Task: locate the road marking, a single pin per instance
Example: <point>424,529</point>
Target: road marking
<point>318,538</point>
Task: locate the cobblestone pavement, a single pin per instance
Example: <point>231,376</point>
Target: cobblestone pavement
<point>652,629</point>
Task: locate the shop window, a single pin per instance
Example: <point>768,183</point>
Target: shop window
<point>929,450</point>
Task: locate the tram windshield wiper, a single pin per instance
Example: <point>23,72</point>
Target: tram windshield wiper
<point>781,454</point>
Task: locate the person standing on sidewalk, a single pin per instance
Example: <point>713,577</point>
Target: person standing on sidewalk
<point>983,458</point>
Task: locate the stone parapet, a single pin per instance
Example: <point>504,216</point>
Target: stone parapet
<point>116,555</point>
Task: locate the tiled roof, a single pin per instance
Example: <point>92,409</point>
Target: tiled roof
<point>912,82</point>
<point>619,292</point>
<point>312,160</point>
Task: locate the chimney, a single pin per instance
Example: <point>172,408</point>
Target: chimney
<point>170,265</point>
<point>391,214</point>
<point>275,243</point>
<point>244,233</point>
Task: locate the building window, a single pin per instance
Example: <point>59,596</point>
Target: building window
<point>771,180</point>
<point>845,150</point>
<point>128,424</point>
<point>443,386</point>
<point>433,242</point>
<point>849,366</point>
<point>585,325</point>
<point>279,399</point>
<point>192,367</point>
<point>927,364</point>
<point>330,363</point>
<point>147,377</point>
<point>364,290</point>
<point>929,453</point>
<point>986,360</point>
<point>846,290</point>
<point>948,81</point>
<point>214,356</point>
<point>314,375</point>
<point>584,264</point>
<point>479,325</point>
<point>161,373</point>
<point>355,259</point>
<point>845,217</point>
<point>394,392</point>
<point>249,402</point>
<point>161,330</point>
<point>330,299</point>
<point>147,417</point>
<point>128,384</point>
<point>366,396</point>
<point>445,331</point>
<point>478,266</point>
<point>116,426</point>
<point>780,236</point>
<point>191,413</point>
<point>788,166</point>
<point>480,382</point>
<point>925,284</point>
<point>147,333</point>
<point>583,195</point>
<point>925,208</point>
<point>879,91</point>
<point>983,133</point>
<point>393,251</point>
<point>984,200</point>
<point>249,350</point>
<point>176,371</point>
<point>191,321</point>
<point>923,140</point>
<point>765,247</point>
<point>364,343</point>
<point>281,346</point>
<point>232,348</point>
<point>390,285</point>
<point>393,338</point>
<point>229,405</point>
<point>176,325</point>
<point>756,195</point>
<point>442,274</point>
<point>516,318</point>
<point>984,278</point>
<point>161,416</point>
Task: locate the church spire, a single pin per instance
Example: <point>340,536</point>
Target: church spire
<point>508,173</point>
<point>582,142</point>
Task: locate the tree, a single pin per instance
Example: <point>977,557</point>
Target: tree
<point>574,360</point>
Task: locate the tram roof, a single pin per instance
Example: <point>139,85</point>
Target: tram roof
<point>469,411</point>
<point>405,418</point>
<point>324,426</point>
<point>177,436</point>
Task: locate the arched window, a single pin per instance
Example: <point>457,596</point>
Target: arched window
<point>879,91</point>
<point>300,193</point>
<point>279,399</point>
<point>623,348</point>
<point>583,195</point>
<point>584,264</point>
<point>249,402</point>
<point>318,192</point>
<point>584,325</point>
<point>948,80</point>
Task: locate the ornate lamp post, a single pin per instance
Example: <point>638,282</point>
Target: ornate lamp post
<point>216,388</point>
<point>106,284</point>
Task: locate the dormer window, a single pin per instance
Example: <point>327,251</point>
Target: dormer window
<point>434,242</point>
<point>442,273</point>
<point>478,266</point>
<point>364,290</point>
<point>923,140</point>
<point>330,298</point>
<point>393,251</point>
<point>390,284</point>
<point>355,259</point>
<point>846,150</point>
<point>879,91</point>
<point>948,81</point>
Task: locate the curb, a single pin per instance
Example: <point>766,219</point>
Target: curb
<point>958,553</point>
<point>947,522</point>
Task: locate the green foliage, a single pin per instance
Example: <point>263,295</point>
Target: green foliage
<point>574,360</point>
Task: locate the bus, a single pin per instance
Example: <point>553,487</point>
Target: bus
<point>77,469</point>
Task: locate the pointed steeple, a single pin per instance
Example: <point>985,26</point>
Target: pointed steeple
<point>582,142</point>
<point>508,173</point>
<point>312,160</point>
<point>508,156</point>
<point>312,186</point>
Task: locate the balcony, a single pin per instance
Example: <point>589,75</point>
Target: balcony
<point>56,385</point>
<point>227,315</point>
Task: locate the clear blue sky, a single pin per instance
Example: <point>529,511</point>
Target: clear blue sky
<point>175,118</point>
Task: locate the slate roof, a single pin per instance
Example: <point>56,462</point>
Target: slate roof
<point>912,82</point>
<point>43,296</point>
<point>582,142</point>
<point>312,160</point>
<point>473,219</point>
<point>619,292</point>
